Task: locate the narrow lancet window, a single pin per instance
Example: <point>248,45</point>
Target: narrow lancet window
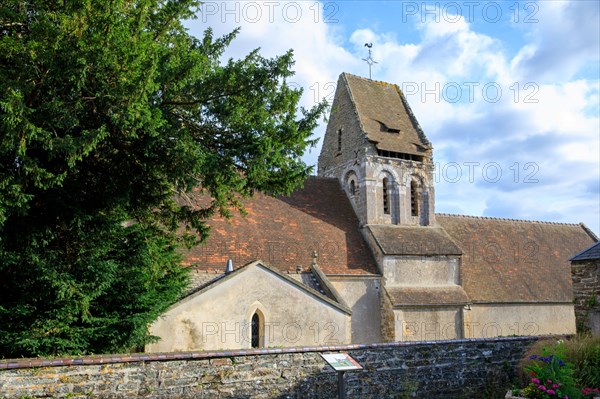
<point>255,327</point>
<point>352,188</point>
<point>414,198</point>
<point>386,196</point>
<point>340,140</point>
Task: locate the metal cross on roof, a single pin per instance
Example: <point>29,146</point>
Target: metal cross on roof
<point>369,60</point>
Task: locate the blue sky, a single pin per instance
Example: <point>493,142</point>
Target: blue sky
<point>507,91</point>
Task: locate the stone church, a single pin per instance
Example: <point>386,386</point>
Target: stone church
<point>358,254</point>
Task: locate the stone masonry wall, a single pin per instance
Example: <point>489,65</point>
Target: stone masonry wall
<point>586,292</point>
<point>444,369</point>
<point>342,116</point>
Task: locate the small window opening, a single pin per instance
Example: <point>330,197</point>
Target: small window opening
<point>386,197</point>
<point>399,155</point>
<point>339,140</point>
<point>352,187</point>
<point>255,331</point>
<point>414,199</point>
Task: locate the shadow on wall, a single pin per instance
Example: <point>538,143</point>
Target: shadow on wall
<point>395,383</point>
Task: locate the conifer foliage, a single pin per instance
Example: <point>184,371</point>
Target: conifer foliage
<point>111,113</point>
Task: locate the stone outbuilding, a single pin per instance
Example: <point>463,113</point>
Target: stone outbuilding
<point>585,269</point>
<point>388,267</point>
<point>255,306</point>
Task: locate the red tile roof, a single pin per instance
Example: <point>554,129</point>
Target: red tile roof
<point>285,231</point>
<point>515,260</point>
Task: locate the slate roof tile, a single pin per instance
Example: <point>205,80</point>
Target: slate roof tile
<point>591,253</point>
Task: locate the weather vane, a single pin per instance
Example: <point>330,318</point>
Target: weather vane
<point>369,59</point>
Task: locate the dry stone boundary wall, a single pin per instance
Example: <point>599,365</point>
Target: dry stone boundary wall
<point>473,368</point>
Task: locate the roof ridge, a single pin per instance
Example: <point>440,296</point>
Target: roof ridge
<point>589,231</point>
<point>332,301</point>
<point>509,219</point>
<point>380,82</point>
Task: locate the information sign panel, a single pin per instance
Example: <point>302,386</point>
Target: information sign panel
<point>341,361</point>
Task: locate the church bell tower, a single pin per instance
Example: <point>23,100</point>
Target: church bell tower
<point>378,152</point>
<point>376,148</point>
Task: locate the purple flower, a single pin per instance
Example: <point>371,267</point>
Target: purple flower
<point>535,380</point>
<point>555,386</point>
<point>550,392</point>
<point>542,388</point>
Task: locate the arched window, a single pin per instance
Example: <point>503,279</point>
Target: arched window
<point>414,198</point>
<point>352,187</point>
<point>256,331</point>
<point>339,140</point>
<point>386,196</point>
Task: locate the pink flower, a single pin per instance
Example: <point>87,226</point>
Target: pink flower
<point>550,392</point>
<point>535,380</point>
<point>555,386</point>
<point>542,388</point>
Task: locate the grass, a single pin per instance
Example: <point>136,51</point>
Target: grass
<point>584,353</point>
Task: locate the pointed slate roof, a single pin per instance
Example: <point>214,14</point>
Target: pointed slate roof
<point>515,261</point>
<point>385,116</point>
<point>284,232</point>
<point>591,253</point>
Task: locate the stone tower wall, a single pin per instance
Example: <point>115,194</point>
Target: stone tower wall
<point>357,160</point>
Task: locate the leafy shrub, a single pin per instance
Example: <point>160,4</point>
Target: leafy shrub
<point>565,369</point>
<point>550,377</point>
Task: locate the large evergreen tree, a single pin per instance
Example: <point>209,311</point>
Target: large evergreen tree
<point>110,112</point>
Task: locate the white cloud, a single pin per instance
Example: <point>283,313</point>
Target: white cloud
<point>563,40</point>
<point>545,117</point>
<point>542,137</point>
<point>277,27</point>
